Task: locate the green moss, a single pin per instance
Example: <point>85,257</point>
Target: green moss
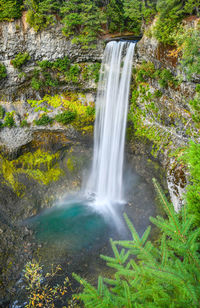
<point>40,166</point>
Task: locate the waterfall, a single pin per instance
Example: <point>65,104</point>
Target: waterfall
<point>105,180</point>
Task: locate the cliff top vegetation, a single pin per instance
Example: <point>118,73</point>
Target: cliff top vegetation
<point>85,21</point>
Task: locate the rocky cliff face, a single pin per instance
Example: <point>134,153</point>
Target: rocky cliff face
<point>160,111</point>
<point>17,37</point>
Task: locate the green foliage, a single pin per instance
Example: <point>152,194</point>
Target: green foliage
<point>40,166</point>
<point>72,74</point>
<point>91,72</point>
<point>44,76</point>
<point>192,158</point>
<point>10,9</point>
<point>115,15</point>
<point>43,120</point>
<point>195,105</point>
<point>188,42</point>
<point>166,78</point>
<point>144,71</point>
<point>49,81</point>
<point>82,19</point>
<point>20,59</point>
<point>41,13</point>
<point>157,93</point>
<point>90,110</point>
<point>165,29</point>
<point>3,73</point>
<point>36,84</point>
<point>171,13</point>
<point>2,112</point>
<point>66,117</point>
<point>59,64</point>
<point>147,71</point>
<point>23,123</point>
<point>137,12</point>
<point>148,275</point>
<point>9,119</point>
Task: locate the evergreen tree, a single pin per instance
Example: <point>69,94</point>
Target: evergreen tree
<point>171,13</point>
<point>150,276</point>
<point>10,9</point>
<point>82,19</point>
<point>41,13</point>
<point>115,15</point>
<point>192,158</point>
<point>138,12</point>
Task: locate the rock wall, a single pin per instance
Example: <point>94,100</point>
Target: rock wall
<point>50,44</point>
<point>161,114</point>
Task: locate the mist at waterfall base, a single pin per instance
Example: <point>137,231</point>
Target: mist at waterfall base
<point>89,218</point>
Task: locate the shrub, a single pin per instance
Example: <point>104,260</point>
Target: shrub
<point>2,112</point>
<point>166,78</point>
<point>41,13</point>
<point>157,93</point>
<point>91,72</point>
<point>23,123</point>
<point>3,73</point>
<point>10,9</point>
<point>90,111</point>
<point>20,59</point>
<point>146,69</point>
<point>41,292</point>
<point>83,20</point>
<point>192,159</point>
<point>72,74</point>
<point>60,64</point>
<point>49,81</point>
<point>9,119</point>
<point>36,83</point>
<point>66,117</point>
<point>44,120</point>
<point>188,42</point>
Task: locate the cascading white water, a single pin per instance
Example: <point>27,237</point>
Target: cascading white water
<point>105,180</point>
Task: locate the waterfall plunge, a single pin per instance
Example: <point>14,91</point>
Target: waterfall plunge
<point>105,180</point>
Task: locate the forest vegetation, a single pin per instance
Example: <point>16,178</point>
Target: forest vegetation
<point>85,21</point>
